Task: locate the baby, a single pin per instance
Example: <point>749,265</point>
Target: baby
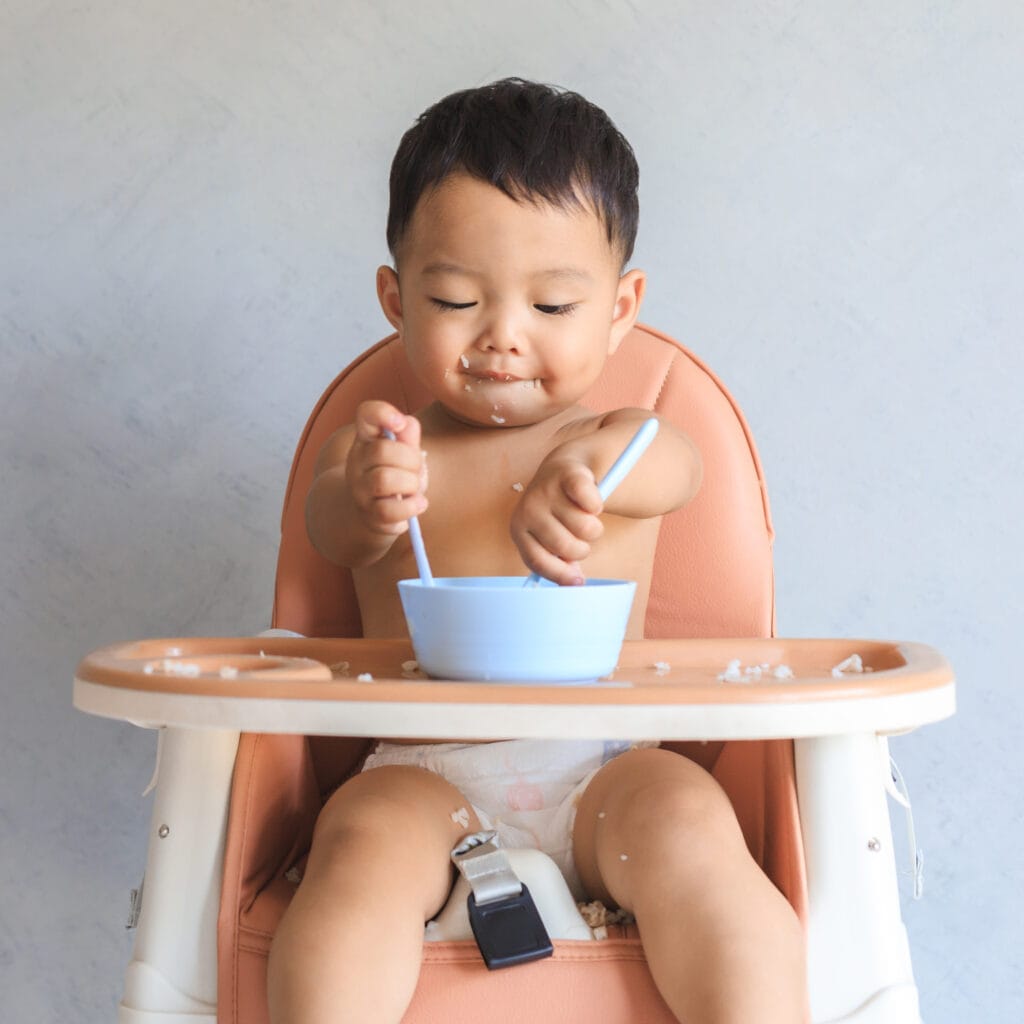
<point>513,215</point>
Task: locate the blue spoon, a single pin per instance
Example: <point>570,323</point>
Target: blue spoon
<point>416,536</point>
<point>620,467</point>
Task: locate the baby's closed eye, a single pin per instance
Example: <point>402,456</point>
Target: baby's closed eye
<point>563,309</point>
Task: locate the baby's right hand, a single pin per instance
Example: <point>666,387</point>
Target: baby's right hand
<point>387,479</point>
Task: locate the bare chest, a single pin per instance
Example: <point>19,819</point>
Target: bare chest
<point>473,489</point>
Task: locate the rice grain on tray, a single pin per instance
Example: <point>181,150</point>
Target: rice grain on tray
<point>735,672</point>
<point>853,664</point>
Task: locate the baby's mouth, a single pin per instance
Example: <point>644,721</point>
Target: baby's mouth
<point>494,375</point>
<point>487,377</point>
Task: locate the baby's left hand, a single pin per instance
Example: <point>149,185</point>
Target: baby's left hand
<point>557,519</point>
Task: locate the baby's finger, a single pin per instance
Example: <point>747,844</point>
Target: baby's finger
<point>381,454</point>
<point>391,514</point>
<point>539,560</point>
<point>409,433</point>
<point>374,417</point>
<point>580,488</point>
<point>582,525</point>
<point>554,538</point>
<point>390,482</point>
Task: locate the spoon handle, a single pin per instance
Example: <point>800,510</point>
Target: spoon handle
<point>420,552</point>
<point>629,457</point>
<point>620,467</point>
<point>416,536</point>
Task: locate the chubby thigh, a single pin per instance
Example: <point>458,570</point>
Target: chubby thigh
<point>525,790</point>
<point>393,829</point>
<point>648,815</point>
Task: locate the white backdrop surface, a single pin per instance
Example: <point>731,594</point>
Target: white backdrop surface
<point>192,203</point>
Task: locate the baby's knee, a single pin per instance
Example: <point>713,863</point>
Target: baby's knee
<point>691,798</point>
<point>653,822</point>
<point>395,806</point>
<point>381,848</point>
<point>658,797</point>
<point>390,829</point>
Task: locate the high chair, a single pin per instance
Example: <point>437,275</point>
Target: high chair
<point>242,776</point>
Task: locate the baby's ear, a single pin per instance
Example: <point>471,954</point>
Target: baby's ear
<point>628,298</point>
<point>389,296</point>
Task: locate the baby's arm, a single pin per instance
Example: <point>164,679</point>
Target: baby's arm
<point>365,487</point>
<point>558,517</point>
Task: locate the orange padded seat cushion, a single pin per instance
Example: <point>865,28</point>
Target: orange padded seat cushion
<point>712,578</point>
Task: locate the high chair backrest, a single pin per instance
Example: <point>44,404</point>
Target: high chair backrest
<point>713,567</point>
<point>712,578</point>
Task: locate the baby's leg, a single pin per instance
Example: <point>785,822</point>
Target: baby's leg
<point>350,945</point>
<point>656,835</point>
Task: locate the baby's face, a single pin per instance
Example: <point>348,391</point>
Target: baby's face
<point>507,309</point>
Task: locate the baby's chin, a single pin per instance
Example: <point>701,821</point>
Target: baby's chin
<point>502,412</point>
<point>495,420</point>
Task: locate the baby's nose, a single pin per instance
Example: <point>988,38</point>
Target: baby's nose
<point>502,335</point>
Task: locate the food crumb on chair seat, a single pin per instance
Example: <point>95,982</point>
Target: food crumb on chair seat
<point>598,917</point>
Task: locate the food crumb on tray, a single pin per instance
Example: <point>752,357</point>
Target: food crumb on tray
<point>172,667</point>
<point>737,672</point>
<point>854,665</point>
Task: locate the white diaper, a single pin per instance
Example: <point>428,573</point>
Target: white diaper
<point>526,790</point>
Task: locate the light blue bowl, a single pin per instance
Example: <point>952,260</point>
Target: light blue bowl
<point>494,628</point>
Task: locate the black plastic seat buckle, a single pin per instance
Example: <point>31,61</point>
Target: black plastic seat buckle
<point>509,931</point>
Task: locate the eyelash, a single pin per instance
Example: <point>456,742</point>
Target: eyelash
<point>567,309</point>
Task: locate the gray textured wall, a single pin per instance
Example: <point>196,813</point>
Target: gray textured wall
<point>192,199</point>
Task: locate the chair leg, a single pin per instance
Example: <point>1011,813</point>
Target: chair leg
<point>859,966</point>
<point>172,978</point>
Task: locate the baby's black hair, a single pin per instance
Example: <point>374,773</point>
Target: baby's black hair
<point>532,141</point>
